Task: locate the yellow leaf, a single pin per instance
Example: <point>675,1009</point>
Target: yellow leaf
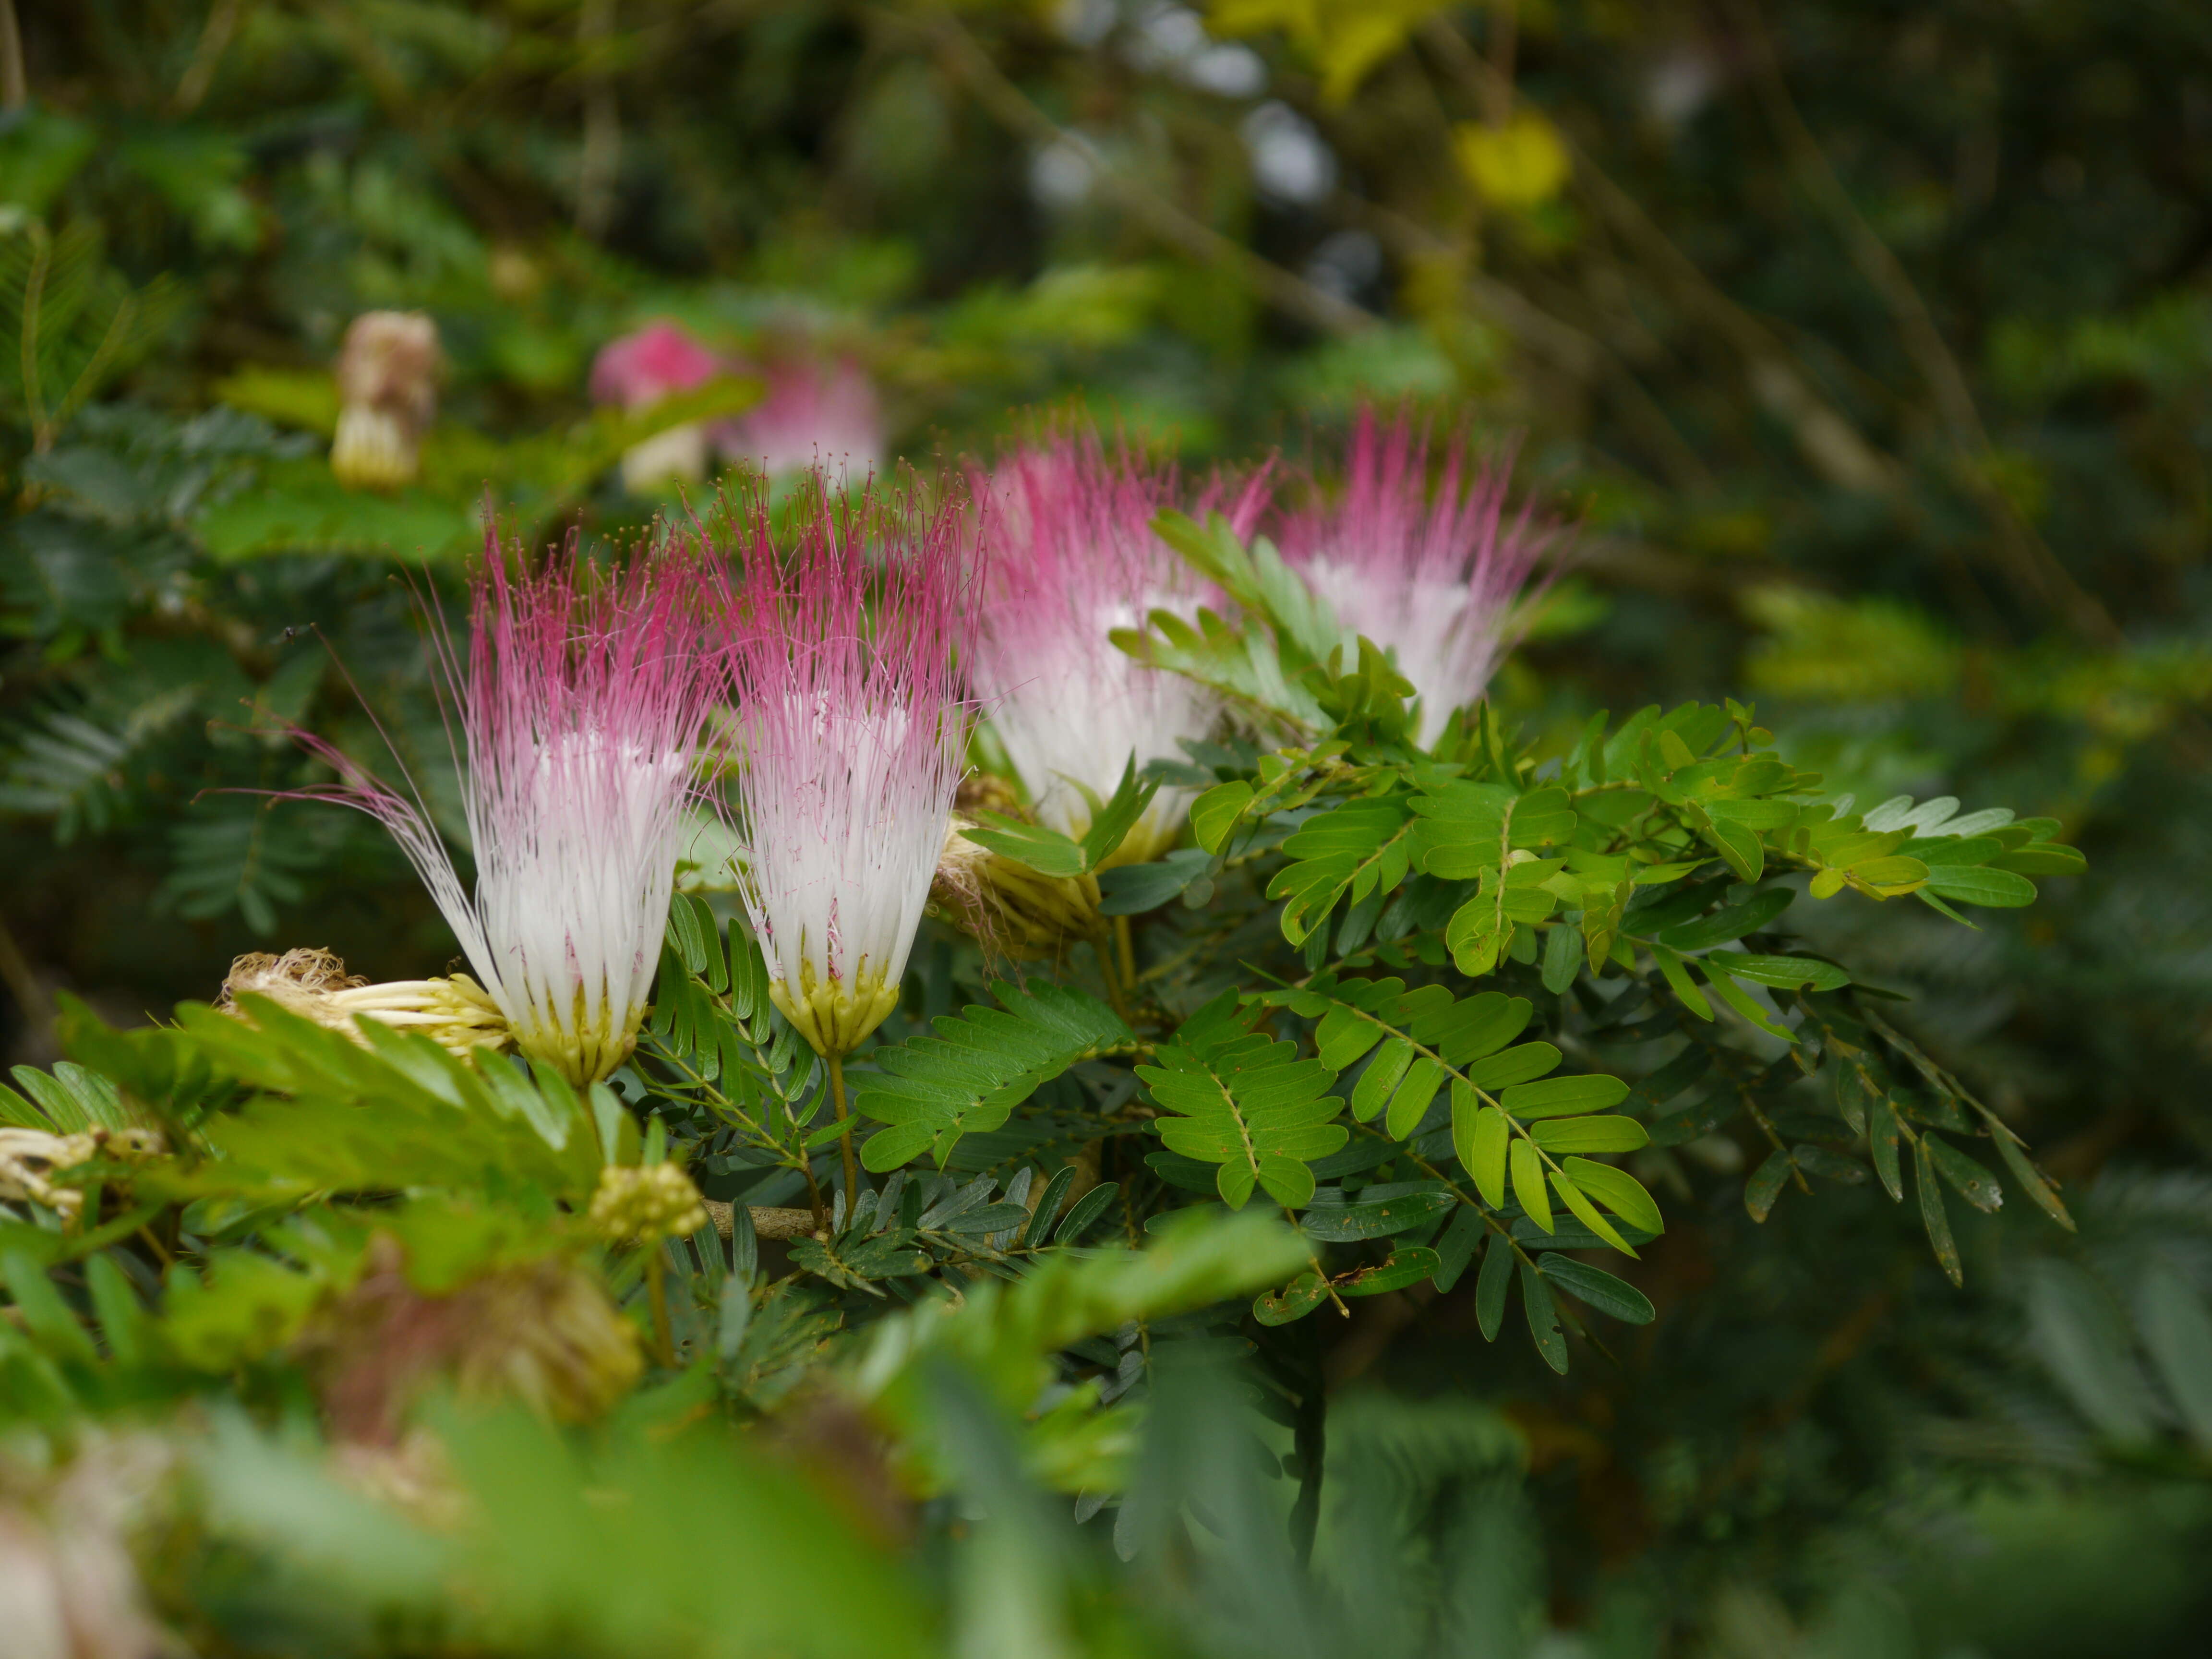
<point>1519,166</point>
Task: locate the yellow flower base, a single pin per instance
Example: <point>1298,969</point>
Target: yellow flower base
<point>833,1016</point>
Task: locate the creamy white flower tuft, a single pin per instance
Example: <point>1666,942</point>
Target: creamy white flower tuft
<point>852,731</point>
<point>1431,577</point>
<point>1073,557</point>
<point>583,705</point>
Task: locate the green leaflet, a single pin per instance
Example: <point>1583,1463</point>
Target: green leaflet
<point>1246,1103</point>
<point>1357,848</point>
<point>981,1065</point>
<point>1597,1287</point>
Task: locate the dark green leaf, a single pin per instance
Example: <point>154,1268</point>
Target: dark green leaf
<point>1765,1184</point>
<point>1599,1288</point>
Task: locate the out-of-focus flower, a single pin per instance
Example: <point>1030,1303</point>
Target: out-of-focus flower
<point>854,731</point>
<point>544,1333</point>
<point>1073,556</point>
<point>455,1013</point>
<point>1431,576</point>
<point>69,1588</point>
<point>814,414</point>
<point>646,1205</point>
<point>30,1159</point>
<point>387,395</point>
<point>642,368</point>
<point>583,705</point>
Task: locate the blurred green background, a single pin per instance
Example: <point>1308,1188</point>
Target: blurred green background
<point>1870,343</point>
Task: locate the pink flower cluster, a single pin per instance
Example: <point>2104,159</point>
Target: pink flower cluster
<point>812,413</point>
<point>855,650</point>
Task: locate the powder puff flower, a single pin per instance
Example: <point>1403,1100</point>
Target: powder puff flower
<point>387,377</point>
<point>812,414</point>
<point>853,731</point>
<point>642,368</point>
<point>1073,556</point>
<point>1431,578</point>
<point>583,701</point>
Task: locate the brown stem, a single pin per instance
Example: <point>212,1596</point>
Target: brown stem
<point>656,1265</point>
<point>15,86</point>
<point>845,1135</point>
<point>23,983</point>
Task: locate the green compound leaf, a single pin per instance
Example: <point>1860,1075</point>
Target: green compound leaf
<point>1246,1103</point>
<point>981,1065</point>
<point>1356,849</point>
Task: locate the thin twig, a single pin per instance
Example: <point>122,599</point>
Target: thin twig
<point>2029,558</point>
<point>966,61</point>
<point>31,999</point>
<point>223,20</point>
<point>1829,443</point>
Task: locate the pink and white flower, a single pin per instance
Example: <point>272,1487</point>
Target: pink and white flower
<point>647,367</point>
<point>1073,556</point>
<point>853,729</point>
<point>1432,577</point>
<point>582,704</point>
<point>814,414</point>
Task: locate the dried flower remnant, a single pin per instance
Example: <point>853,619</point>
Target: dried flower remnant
<point>1012,910</point>
<point>645,367</point>
<point>1431,577</point>
<point>814,415</point>
<point>388,376</point>
<point>69,1587</point>
<point>542,1333</point>
<point>454,1012</point>
<point>1073,556</point>
<point>32,1161</point>
<point>583,705</point>
<point>853,730</point>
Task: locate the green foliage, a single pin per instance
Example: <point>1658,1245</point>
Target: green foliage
<point>968,1077</point>
<point>1870,357</point>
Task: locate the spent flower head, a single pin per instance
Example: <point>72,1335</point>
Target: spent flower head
<point>582,704</point>
<point>387,375</point>
<point>853,728</point>
<point>1073,557</point>
<point>1432,576</point>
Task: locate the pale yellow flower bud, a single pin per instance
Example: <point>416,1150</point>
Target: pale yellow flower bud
<point>645,1206</point>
